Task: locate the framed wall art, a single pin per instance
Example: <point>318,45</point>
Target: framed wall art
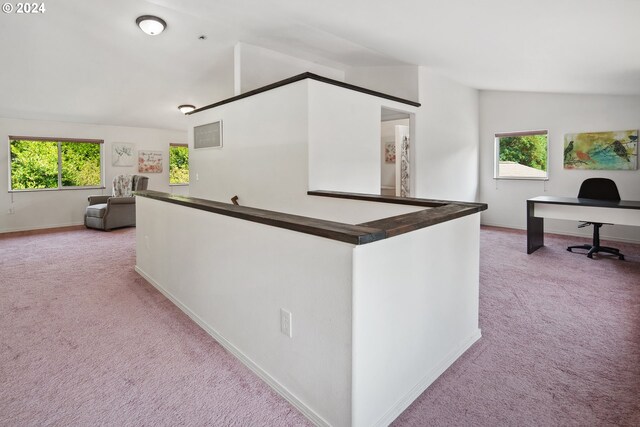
<point>390,152</point>
<point>615,150</point>
<point>122,154</point>
<point>150,161</point>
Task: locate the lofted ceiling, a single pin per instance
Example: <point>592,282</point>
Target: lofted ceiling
<point>87,61</point>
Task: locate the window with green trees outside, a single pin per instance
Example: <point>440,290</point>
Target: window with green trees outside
<point>178,164</point>
<point>54,163</point>
<point>521,155</point>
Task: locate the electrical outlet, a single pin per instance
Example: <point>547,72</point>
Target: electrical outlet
<point>146,242</point>
<point>285,322</point>
<point>11,211</point>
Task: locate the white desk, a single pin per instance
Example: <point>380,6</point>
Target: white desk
<point>623,212</point>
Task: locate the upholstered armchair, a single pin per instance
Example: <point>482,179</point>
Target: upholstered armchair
<point>119,209</point>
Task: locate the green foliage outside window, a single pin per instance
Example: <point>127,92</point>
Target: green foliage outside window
<point>80,164</point>
<point>34,164</point>
<point>530,150</point>
<point>178,165</point>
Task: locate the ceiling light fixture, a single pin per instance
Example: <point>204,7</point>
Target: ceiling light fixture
<point>186,108</point>
<point>151,25</point>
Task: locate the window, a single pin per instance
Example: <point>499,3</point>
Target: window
<point>178,164</point>
<point>521,155</point>
<point>54,163</point>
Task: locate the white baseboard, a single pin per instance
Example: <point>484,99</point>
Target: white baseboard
<point>40,227</point>
<point>564,232</point>
<point>404,402</point>
<point>493,224</point>
<point>272,382</point>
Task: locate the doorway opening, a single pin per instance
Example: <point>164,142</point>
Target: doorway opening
<point>395,148</point>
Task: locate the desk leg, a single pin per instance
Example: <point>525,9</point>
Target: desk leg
<point>535,229</point>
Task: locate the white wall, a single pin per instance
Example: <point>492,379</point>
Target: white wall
<point>279,144</point>
<point>373,325</point>
<point>44,209</point>
<point>415,311</point>
<point>343,127</point>
<point>344,135</point>
<point>444,141</point>
<point>263,159</point>
<point>233,277</point>
<point>445,156</point>
<point>400,81</point>
<point>212,84</point>
<point>276,146</point>
<point>344,138</point>
<point>559,114</point>
<point>257,66</point>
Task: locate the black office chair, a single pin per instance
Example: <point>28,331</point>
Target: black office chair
<point>599,189</point>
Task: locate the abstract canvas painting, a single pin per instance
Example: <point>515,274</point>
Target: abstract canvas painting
<point>601,150</point>
<point>150,161</point>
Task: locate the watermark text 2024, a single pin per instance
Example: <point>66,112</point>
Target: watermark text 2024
<point>24,8</point>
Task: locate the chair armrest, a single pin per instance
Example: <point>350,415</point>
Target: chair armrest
<point>121,200</point>
<point>95,200</point>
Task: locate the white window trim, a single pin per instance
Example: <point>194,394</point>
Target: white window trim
<point>59,141</point>
<point>496,155</point>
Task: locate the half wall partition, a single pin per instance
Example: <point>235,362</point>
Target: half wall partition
<point>378,309</point>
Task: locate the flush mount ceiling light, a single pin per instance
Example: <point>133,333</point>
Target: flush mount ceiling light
<point>151,25</point>
<point>186,108</point>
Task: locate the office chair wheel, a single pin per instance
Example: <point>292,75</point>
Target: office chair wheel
<point>621,257</point>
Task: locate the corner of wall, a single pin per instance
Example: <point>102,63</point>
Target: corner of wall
<point>237,69</point>
<point>257,66</point>
<point>401,80</point>
<point>447,138</point>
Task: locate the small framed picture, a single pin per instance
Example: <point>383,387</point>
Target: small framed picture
<point>122,154</point>
<point>150,161</point>
<point>390,152</point>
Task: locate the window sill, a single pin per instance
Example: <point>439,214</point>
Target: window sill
<point>38,190</point>
<point>179,185</point>
<point>521,178</point>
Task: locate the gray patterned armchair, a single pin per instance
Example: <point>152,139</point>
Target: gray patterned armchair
<point>118,210</point>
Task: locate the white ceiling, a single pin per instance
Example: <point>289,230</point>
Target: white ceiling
<point>86,61</point>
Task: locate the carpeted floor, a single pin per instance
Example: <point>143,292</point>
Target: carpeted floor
<point>560,341</point>
<point>85,341</point>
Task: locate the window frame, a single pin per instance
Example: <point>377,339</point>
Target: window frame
<point>181,184</point>
<point>59,141</point>
<point>496,155</point>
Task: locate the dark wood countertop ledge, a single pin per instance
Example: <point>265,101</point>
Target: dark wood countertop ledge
<point>304,76</point>
<point>436,212</point>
